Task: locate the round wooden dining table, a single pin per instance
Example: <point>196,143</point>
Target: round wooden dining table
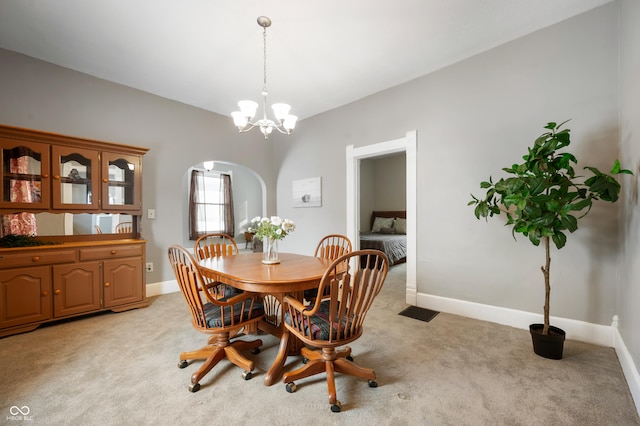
<point>294,274</point>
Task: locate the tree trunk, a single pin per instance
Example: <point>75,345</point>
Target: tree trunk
<point>547,286</point>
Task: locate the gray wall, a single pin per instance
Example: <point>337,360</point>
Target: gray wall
<point>472,119</point>
<point>628,294</point>
<point>383,186</point>
<point>39,95</point>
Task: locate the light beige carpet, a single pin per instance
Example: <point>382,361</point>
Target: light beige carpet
<point>121,369</point>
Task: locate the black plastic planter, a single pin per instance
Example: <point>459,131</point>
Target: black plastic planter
<point>549,345</point>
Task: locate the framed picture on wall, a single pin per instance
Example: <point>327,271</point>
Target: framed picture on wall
<point>307,192</point>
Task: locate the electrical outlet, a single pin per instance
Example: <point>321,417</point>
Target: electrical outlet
<point>151,213</point>
<point>149,267</point>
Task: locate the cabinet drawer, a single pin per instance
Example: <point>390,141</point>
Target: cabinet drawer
<point>110,252</point>
<point>39,258</point>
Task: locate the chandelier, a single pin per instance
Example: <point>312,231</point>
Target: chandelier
<point>284,123</point>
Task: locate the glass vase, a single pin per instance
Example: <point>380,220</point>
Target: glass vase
<point>270,251</point>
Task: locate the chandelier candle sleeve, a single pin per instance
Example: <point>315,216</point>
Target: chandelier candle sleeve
<point>284,123</point>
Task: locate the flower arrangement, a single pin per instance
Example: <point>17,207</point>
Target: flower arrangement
<point>274,227</point>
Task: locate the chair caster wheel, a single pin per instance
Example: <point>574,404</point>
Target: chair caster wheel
<point>194,387</point>
<point>350,358</point>
<point>247,375</point>
<point>335,408</point>
<point>290,387</point>
<point>255,351</point>
<point>183,364</point>
<point>373,384</point>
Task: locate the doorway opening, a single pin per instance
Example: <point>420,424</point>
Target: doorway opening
<point>408,145</point>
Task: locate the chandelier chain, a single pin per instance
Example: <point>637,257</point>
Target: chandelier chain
<point>264,55</point>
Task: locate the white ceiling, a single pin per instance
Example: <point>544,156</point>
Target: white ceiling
<point>320,55</point>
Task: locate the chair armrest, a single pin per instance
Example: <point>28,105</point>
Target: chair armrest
<point>294,303</point>
<point>298,306</point>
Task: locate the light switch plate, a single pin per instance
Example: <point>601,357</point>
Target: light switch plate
<point>151,214</point>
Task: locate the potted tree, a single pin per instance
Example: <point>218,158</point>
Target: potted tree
<point>542,199</point>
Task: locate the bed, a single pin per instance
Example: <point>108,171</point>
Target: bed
<point>387,234</point>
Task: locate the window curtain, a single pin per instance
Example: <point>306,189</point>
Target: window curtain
<point>198,225</point>
<point>196,208</point>
<point>227,205</point>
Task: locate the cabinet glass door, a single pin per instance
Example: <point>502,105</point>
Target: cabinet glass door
<point>25,174</point>
<point>121,182</point>
<point>75,178</point>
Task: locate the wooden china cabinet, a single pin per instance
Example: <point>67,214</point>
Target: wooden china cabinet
<point>71,193</point>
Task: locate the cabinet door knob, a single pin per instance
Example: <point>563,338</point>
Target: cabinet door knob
<point>56,177</point>
<point>45,175</point>
<point>57,291</point>
<point>44,293</point>
<point>107,284</point>
<point>105,180</point>
<point>36,258</point>
<point>113,252</point>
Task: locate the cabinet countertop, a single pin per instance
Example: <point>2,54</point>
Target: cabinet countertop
<point>72,244</point>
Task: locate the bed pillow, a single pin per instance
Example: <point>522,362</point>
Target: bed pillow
<point>385,230</point>
<point>381,222</point>
<point>400,226</point>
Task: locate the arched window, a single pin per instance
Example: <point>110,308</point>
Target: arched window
<point>210,204</point>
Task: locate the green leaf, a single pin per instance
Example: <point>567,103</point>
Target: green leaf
<point>511,199</point>
<point>616,170</point>
<point>559,239</point>
<point>616,167</point>
<point>481,210</point>
<point>534,238</point>
<point>485,184</point>
<point>570,222</point>
<point>552,205</point>
<point>580,204</point>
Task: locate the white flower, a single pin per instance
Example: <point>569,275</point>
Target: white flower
<point>276,221</point>
<point>273,227</point>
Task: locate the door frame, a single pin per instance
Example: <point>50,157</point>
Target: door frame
<point>407,144</point>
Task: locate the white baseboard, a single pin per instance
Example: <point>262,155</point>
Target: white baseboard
<point>628,367</point>
<point>576,330</point>
<point>164,287</point>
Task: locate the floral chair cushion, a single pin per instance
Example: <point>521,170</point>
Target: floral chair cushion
<point>321,327</point>
<point>213,314</point>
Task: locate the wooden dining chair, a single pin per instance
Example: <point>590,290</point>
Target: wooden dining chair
<point>216,245</point>
<point>219,317</point>
<point>124,227</point>
<point>330,247</point>
<point>352,282</point>
<point>333,246</point>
